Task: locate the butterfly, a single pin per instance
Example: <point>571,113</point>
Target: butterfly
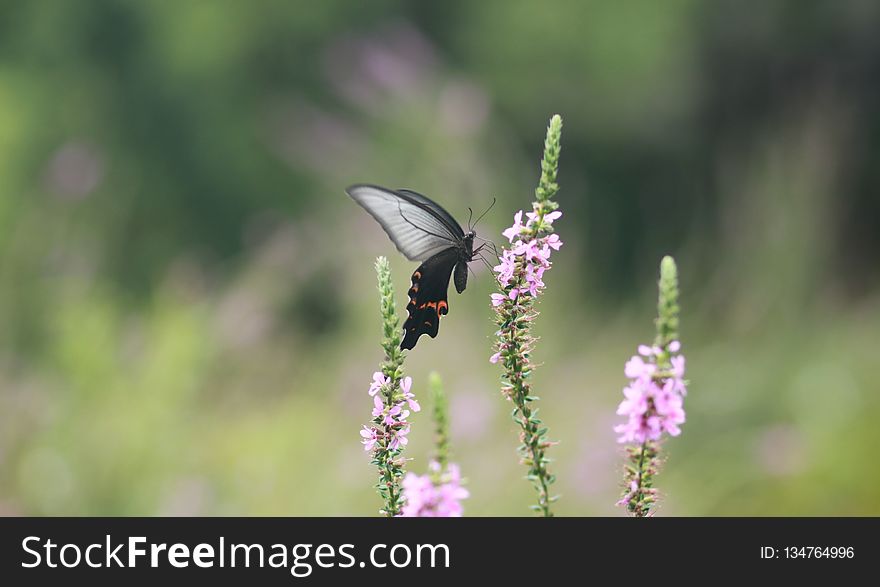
<point>423,231</point>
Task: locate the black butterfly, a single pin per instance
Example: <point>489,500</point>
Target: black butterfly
<point>423,231</point>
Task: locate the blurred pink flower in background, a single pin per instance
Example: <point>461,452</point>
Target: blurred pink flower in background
<point>427,498</point>
<point>75,170</point>
<point>397,60</point>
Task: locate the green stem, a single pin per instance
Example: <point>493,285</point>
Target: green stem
<point>441,425</point>
<point>389,461</point>
<point>515,340</point>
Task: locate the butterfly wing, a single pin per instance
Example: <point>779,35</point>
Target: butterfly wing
<point>427,297</point>
<point>419,227</point>
<point>436,209</point>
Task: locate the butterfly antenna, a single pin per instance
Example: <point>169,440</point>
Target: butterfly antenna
<point>492,205</point>
<point>470,216</point>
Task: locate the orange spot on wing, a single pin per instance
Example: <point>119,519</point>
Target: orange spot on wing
<point>442,306</point>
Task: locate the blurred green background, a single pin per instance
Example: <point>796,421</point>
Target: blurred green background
<point>188,313</point>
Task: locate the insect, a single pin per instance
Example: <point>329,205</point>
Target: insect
<point>423,231</point>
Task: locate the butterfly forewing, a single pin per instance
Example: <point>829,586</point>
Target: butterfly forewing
<point>418,227</point>
<point>451,223</point>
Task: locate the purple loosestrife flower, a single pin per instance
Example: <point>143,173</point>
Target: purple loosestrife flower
<point>392,394</point>
<point>653,405</point>
<point>398,437</point>
<point>389,415</point>
<point>506,268</point>
<point>528,257</point>
<point>653,401</point>
<point>520,275</point>
<point>370,437</point>
<point>514,231</point>
<point>407,395</point>
<point>378,381</point>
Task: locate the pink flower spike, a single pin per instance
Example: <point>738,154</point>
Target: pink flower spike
<point>653,401</point>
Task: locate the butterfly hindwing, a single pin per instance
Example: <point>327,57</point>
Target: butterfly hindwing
<point>427,297</point>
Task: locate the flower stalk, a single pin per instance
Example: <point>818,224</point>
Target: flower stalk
<point>654,399</point>
<point>520,282</point>
<point>441,422</point>
<point>439,493</point>
<point>386,437</point>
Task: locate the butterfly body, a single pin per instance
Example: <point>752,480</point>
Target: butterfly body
<point>423,231</point>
